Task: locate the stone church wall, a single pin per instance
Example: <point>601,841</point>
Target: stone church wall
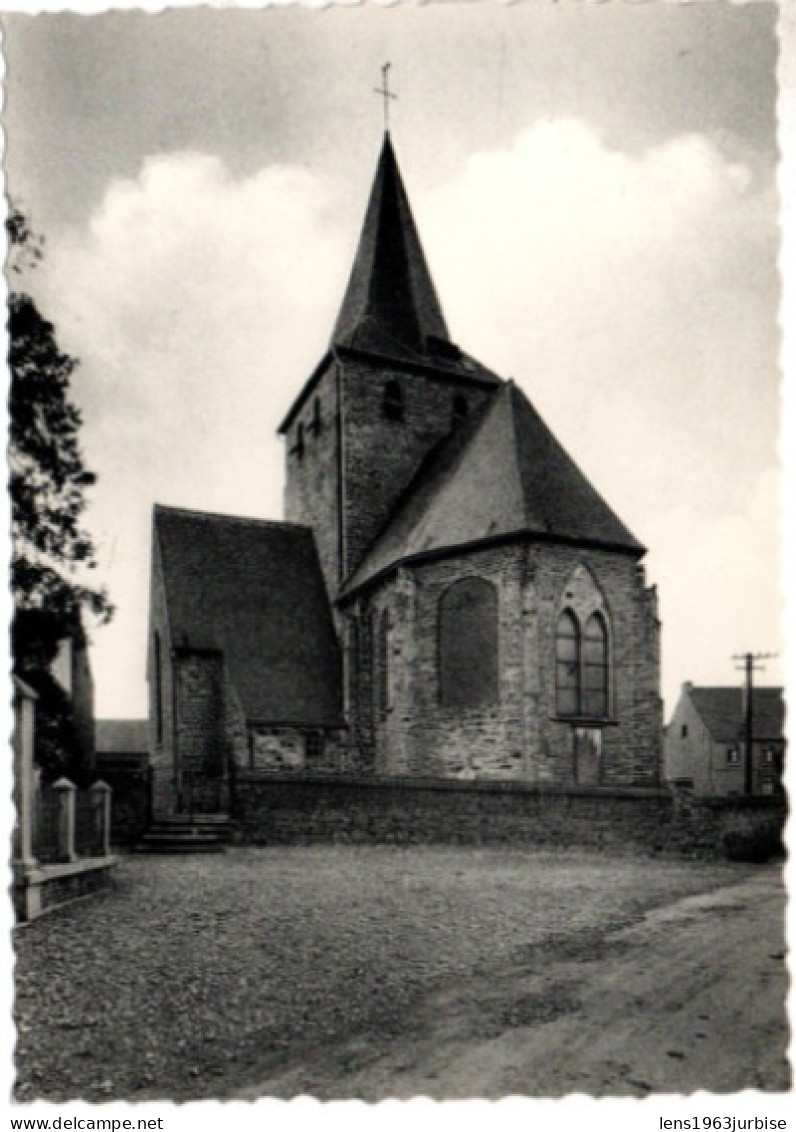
<point>379,456</point>
<point>312,483</point>
<point>520,735</point>
<point>382,455</point>
<point>160,737</point>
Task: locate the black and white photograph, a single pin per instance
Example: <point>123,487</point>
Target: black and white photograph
<point>397,488</point>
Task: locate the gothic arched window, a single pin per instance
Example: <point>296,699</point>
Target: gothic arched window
<point>468,644</point>
<point>595,667</point>
<point>393,401</point>
<point>567,665</point>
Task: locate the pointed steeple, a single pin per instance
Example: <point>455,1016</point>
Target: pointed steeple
<point>390,305</point>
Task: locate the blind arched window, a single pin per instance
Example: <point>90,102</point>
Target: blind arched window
<point>382,643</point>
<point>352,672</point>
<point>567,665</point>
<point>468,644</point>
<point>595,667</point>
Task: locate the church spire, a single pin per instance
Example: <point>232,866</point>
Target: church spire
<point>390,305</point>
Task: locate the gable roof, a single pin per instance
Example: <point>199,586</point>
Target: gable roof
<point>121,736</point>
<point>254,590</point>
<point>502,473</point>
<point>390,305</point>
<point>721,710</point>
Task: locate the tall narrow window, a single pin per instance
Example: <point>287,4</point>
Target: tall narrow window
<point>393,401</point>
<point>316,422</point>
<point>158,674</point>
<point>382,640</point>
<point>595,667</point>
<point>468,644</point>
<point>567,665</point>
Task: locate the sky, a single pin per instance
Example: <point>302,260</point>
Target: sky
<point>595,188</point>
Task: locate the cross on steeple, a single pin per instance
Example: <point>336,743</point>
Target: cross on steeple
<point>386,93</point>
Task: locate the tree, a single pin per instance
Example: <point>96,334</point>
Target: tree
<point>51,553</point>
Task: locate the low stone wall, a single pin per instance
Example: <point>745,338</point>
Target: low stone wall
<point>47,887</point>
<point>301,809</point>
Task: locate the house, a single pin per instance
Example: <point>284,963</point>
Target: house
<point>121,744</point>
<point>449,596</point>
<point>705,743</point>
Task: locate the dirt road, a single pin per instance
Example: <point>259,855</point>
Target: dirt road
<point>690,997</point>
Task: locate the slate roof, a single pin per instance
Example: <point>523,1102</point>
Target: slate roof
<point>121,736</point>
<point>390,303</point>
<point>502,473</point>
<point>721,710</point>
<point>254,590</point>
<point>390,311</point>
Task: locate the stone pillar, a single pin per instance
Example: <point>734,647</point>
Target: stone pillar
<point>24,776</point>
<point>101,794</point>
<point>66,819</point>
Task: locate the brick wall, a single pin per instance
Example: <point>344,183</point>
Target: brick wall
<point>298,809</point>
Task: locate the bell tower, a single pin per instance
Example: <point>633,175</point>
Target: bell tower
<point>390,387</point>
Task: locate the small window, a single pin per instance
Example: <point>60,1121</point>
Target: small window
<point>733,756</point>
<point>316,423</point>
<point>393,401</point>
<point>298,448</point>
<point>768,756</point>
<point>684,731</point>
<point>767,785</point>
<point>460,409</point>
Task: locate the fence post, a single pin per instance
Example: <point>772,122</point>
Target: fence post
<point>24,774</point>
<point>102,793</point>
<point>66,819</point>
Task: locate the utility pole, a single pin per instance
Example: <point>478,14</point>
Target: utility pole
<point>749,667</point>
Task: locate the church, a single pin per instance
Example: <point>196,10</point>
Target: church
<point>448,596</point>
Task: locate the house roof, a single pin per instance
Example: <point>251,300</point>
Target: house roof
<point>121,736</point>
<point>722,712</point>
<point>254,591</point>
<point>502,473</point>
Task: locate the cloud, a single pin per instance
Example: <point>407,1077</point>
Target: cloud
<point>198,304</point>
<point>632,296</point>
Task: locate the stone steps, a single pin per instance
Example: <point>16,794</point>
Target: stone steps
<point>181,833</point>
